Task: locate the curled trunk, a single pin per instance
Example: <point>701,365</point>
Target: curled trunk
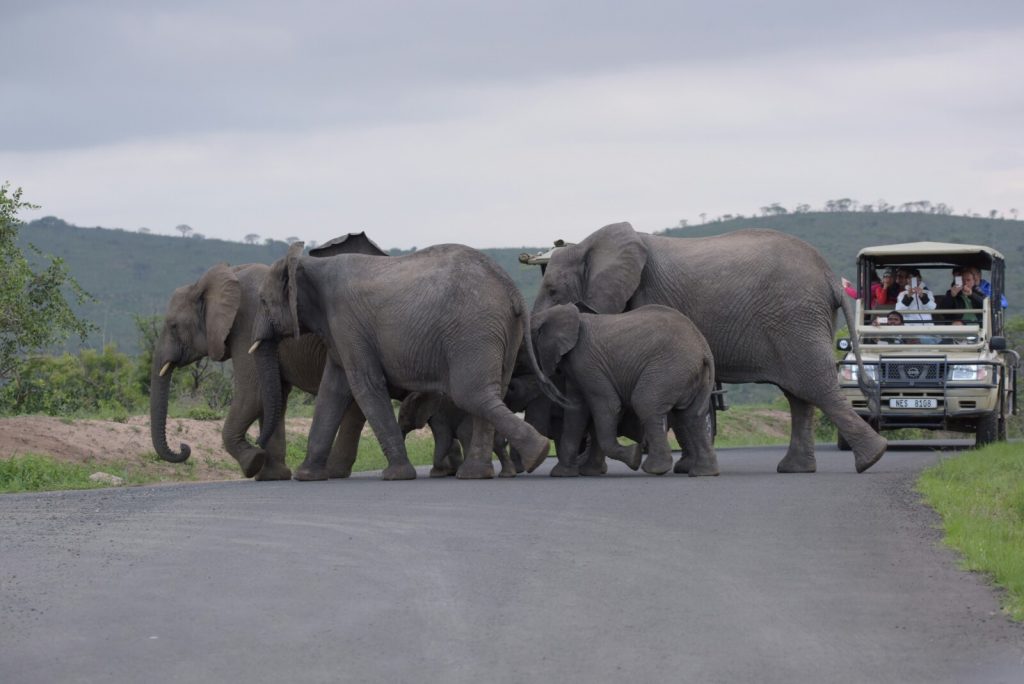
<point>159,392</point>
<point>268,371</point>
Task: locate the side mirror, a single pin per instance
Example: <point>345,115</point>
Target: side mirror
<point>843,344</point>
<point>997,344</point>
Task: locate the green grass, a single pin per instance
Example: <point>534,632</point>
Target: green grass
<point>35,473</point>
<point>371,457</point>
<point>980,496</point>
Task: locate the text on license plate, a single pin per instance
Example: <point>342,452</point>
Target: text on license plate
<point>913,403</point>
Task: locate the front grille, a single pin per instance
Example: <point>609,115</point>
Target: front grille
<point>913,372</point>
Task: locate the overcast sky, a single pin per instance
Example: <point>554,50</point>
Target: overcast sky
<point>497,123</point>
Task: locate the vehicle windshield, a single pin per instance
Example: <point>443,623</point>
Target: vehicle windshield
<point>921,302</point>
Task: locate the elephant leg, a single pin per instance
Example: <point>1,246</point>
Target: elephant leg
<point>606,423</point>
<point>799,457</point>
<point>483,400</point>
<point>574,428</point>
<point>370,390</point>
<point>592,460</point>
<point>477,465</point>
<point>659,454</point>
<point>685,461</point>
<point>508,466</point>
<point>444,445</point>
<point>867,445</point>
<point>332,400</point>
<point>243,412</point>
<point>346,443</point>
<point>691,428</point>
<point>275,466</point>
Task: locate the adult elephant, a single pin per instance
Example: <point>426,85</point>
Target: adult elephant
<point>213,317</point>
<point>765,301</point>
<point>446,319</point>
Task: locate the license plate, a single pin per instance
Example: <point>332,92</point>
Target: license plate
<point>913,403</point>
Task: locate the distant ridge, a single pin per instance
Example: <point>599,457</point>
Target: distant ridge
<point>135,273</point>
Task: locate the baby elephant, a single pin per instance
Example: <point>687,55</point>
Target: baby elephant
<point>652,360</point>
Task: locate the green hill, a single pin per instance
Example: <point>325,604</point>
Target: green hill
<point>840,235</point>
<point>133,273</point>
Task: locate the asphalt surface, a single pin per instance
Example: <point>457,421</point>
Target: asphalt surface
<point>748,577</point>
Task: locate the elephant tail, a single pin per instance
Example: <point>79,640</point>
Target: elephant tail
<point>868,387</point>
<point>546,386</point>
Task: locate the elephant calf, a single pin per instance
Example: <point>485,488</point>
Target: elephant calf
<point>452,429</point>
<point>652,360</point>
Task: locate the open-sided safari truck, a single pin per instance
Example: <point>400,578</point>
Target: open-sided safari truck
<point>950,371</point>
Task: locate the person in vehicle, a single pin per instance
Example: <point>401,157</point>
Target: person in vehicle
<point>880,290</point>
<point>916,299</point>
<point>964,293</point>
<point>898,282</point>
<point>986,287</point>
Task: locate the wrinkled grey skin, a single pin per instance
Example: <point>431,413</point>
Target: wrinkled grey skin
<point>451,427</point>
<point>446,319</point>
<point>213,317</point>
<point>765,301</point>
<point>652,360</point>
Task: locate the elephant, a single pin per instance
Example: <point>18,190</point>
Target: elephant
<point>451,427</point>
<point>765,302</point>
<point>446,319</point>
<point>652,360</point>
<point>213,317</point>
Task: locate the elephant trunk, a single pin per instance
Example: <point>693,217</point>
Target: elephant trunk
<point>268,370</point>
<point>159,391</point>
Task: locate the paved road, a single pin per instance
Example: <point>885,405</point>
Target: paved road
<point>752,576</point>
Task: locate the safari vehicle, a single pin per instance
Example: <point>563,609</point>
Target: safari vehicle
<point>952,372</point>
<point>717,396</point>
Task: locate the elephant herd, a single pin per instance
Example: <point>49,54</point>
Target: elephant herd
<point>627,336</point>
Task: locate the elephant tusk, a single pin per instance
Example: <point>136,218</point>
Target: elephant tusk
<point>254,346</point>
<point>167,367</point>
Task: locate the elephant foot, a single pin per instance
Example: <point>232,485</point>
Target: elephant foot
<point>536,453</point>
<point>631,456</point>
<point>795,462</point>
<point>507,470</point>
<point>310,473</point>
<point>440,471</point>
<point>472,469</point>
<point>864,459</point>
<point>704,468</point>
<point>399,471</point>
<point>273,471</point>
<point>338,472</point>
<point>592,469</point>
<point>564,471</point>
<point>683,465</point>
<point>252,461</point>
<point>657,465</point>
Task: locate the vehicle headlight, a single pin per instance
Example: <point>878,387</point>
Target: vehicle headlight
<point>969,371</point>
<point>850,373</point>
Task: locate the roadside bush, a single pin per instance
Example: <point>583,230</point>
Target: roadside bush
<point>92,382</point>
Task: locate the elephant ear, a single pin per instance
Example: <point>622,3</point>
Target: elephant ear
<point>557,333</point>
<point>614,259</point>
<point>220,294</point>
<point>292,262</point>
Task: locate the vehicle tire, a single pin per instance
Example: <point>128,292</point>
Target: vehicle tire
<point>987,429</point>
<point>842,444</point>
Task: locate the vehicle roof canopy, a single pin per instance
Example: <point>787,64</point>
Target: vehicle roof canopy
<point>942,252</point>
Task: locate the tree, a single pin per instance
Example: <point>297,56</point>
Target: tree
<point>292,240</point>
<point>251,238</point>
<point>183,229</point>
<point>34,313</point>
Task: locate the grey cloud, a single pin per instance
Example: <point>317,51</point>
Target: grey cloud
<point>94,73</point>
